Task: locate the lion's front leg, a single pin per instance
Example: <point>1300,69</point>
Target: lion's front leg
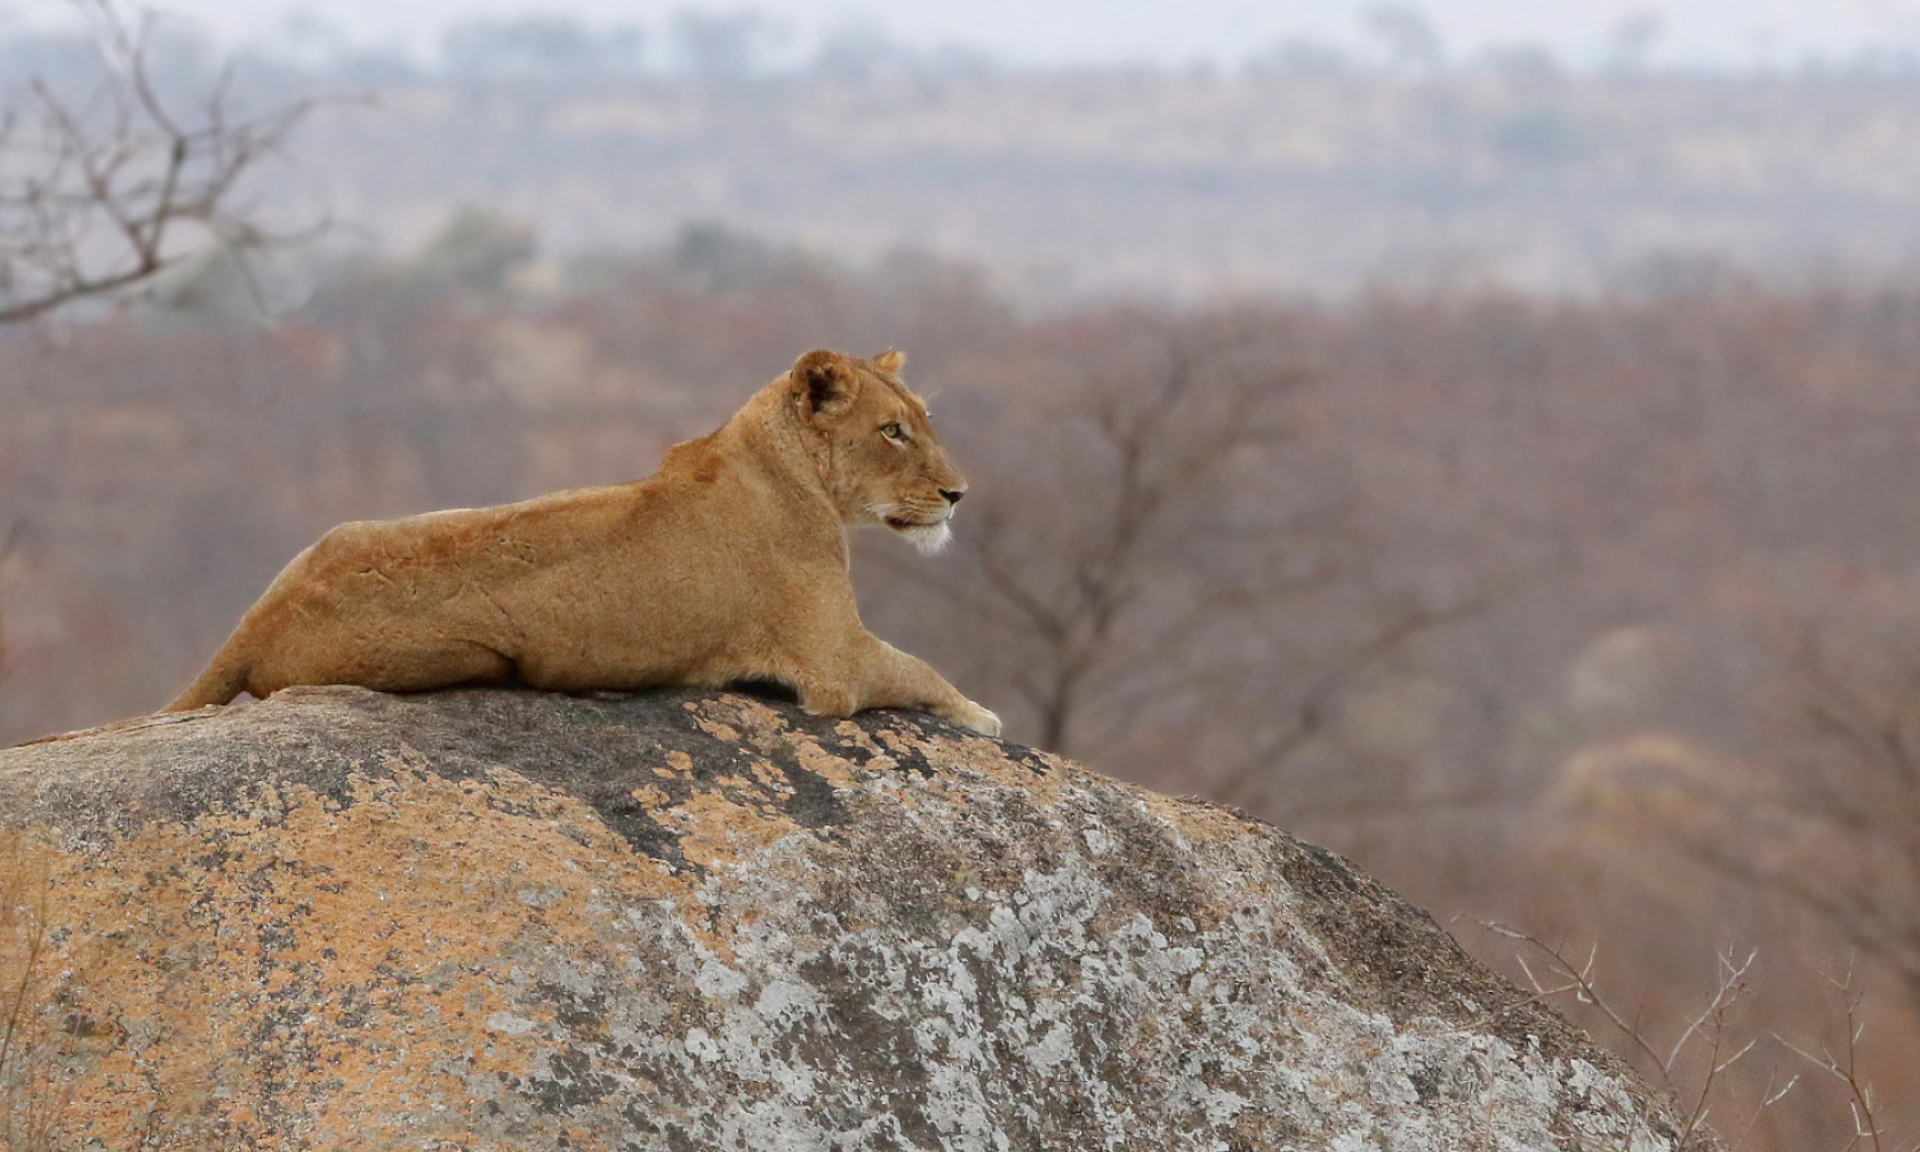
<point>874,674</point>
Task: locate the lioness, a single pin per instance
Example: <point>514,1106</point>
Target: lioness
<point>730,563</point>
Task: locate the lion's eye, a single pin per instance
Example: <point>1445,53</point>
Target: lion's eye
<point>894,432</point>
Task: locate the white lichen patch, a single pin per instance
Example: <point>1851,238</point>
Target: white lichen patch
<point>510,1024</point>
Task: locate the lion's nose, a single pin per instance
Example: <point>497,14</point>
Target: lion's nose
<point>953,494</point>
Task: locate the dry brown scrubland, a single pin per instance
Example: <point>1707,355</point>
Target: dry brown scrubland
<point>1578,615</point>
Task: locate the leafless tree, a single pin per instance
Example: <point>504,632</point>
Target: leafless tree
<point>1842,1062</point>
<point>1163,547</point>
<point>1127,519</point>
<point>1832,819</point>
<point>1708,1044</point>
<point>101,193</point>
<point>1328,673</point>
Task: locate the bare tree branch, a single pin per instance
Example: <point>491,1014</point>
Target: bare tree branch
<point>1832,820</point>
<point>1709,1030</point>
<point>1845,1065</point>
<point>1401,627</point>
<point>104,194</point>
<point>1156,532</point>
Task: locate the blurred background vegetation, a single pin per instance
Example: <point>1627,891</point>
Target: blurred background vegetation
<point>1501,471</point>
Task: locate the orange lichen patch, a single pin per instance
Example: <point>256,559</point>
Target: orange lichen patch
<point>680,762</point>
<point>834,769</point>
<point>961,762</point>
<point>716,729</point>
<point>770,777</point>
<point>1197,820</point>
<point>46,1040</point>
<point>858,735</point>
<point>372,940</point>
<point>767,731</point>
<point>725,718</point>
<point>900,745</point>
<point>720,832</point>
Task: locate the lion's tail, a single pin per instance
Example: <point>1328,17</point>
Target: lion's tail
<point>224,679</point>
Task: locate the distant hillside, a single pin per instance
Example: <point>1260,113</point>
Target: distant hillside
<point>1305,172</point>
<point>1167,183</point>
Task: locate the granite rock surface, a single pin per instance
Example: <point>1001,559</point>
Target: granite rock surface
<point>680,921</point>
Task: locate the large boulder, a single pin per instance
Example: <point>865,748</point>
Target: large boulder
<point>501,920</point>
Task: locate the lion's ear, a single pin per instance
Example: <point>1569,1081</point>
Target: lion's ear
<point>891,361</point>
<point>824,380</point>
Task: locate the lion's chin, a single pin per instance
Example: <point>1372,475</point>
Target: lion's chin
<point>928,538</point>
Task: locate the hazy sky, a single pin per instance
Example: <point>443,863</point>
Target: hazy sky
<point>1165,31</point>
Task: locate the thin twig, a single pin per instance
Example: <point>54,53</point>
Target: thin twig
<point>102,206</point>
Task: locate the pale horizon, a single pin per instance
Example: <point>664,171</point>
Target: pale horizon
<point>1726,33</point>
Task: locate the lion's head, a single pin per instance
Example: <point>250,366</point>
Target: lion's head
<point>885,464</point>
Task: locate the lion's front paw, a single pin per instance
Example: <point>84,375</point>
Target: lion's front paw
<point>979,719</point>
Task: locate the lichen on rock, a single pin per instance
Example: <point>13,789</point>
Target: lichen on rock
<point>491,919</point>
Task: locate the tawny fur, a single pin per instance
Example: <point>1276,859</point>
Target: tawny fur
<point>730,563</point>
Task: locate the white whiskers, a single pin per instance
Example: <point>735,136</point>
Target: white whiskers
<point>902,517</point>
<point>930,538</point>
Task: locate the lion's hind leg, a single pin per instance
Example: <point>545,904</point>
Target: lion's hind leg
<point>441,664</point>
